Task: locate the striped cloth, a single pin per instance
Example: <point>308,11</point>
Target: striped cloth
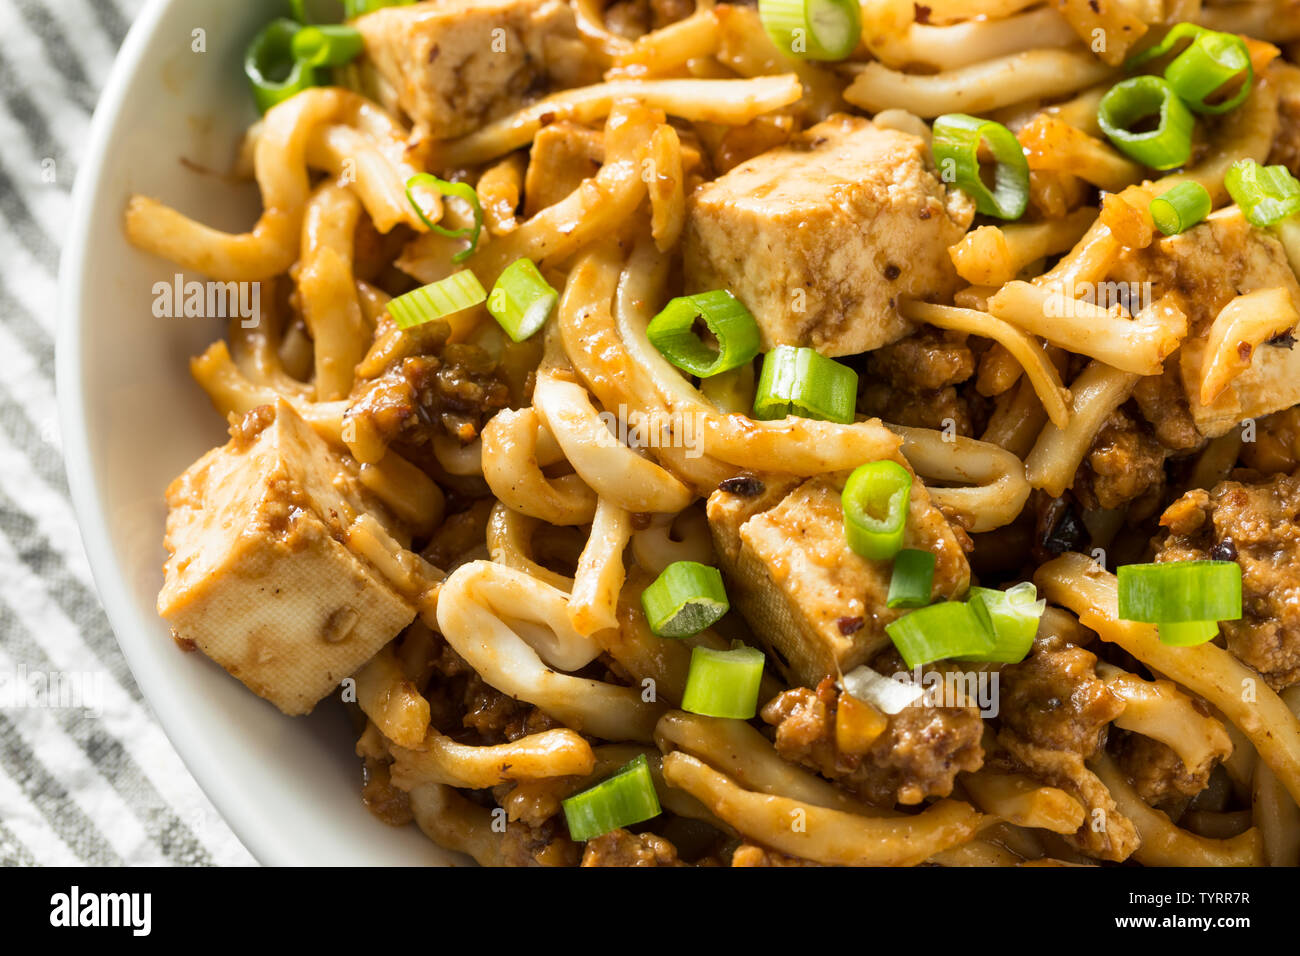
<point>76,788</point>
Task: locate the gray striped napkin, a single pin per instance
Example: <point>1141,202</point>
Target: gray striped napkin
<point>76,787</point>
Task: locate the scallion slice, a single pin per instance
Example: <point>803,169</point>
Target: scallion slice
<point>522,300</point>
<point>626,798</point>
<point>685,599</point>
<point>956,148</point>
<point>1128,103</point>
<point>1180,208</point>
<point>1266,194</point>
<point>457,292</point>
<point>812,29</point>
<point>724,683</point>
<point>672,332</point>
<point>803,382</point>
<point>875,502</point>
<point>1187,633</point>
<point>912,579</point>
<point>273,72</point>
<point>1011,616</point>
<point>1180,592</point>
<point>947,630</point>
<point>462,191</point>
<point>331,45</point>
<point>1211,63</point>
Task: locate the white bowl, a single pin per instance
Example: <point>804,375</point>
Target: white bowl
<point>133,419</point>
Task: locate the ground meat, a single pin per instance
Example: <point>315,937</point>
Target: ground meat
<point>621,848</point>
<point>1262,521</point>
<point>467,708</point>
<point>1276,448</point>
<point>917,756</point>
<point>1124,465</point>
<point>928,360</point>
<point>545,845</point>
<point>1054,699</point>
<point>454,392</point>
<point>912,382</point>
<point>1163,404</point>
<point>1106,833</point>
<point>459,533</point>
<point>381,798</point>
<point>1055,713</point>
<point>747,854</point>
<point>1157,772</point>
<point>943,409</point>
<point>494,715</point>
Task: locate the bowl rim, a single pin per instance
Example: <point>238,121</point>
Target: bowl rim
<point>182,724</point>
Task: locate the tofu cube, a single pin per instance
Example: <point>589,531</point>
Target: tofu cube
<point>817,605</point>
<point>259,578</point>
<point>454,65</point>
<point>820,238</point>
<point>1204,269</point>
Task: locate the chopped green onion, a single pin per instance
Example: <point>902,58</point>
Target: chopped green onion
<point>327,45</point>
<point>1213,62</point>
<point>457,292</point>
<point>1266,194</point>
<point>1187,633</point>
<point>672,332</point>
<point>1180,592</point>
<point>270,66</point>
<point>724,683</point>
<point>803,382</point>
<point>462,191</point>
<point>685,599</point>
<point>812,29</point>
<point>949,629</point>
<point>1180,208</point>
<point>956,148</point>
<point>1139,98</point>
<point>913,579</point>
<point>626,798</point>
<point>521,301</point>
<point>875,502</point>
<point>357,8</point>
<point>1181,35</point>
<point>310,12</point>
<point>1011,616</point>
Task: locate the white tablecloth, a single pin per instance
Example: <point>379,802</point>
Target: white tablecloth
<point>75,787</point>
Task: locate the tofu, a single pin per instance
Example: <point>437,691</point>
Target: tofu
<point>259,578</point>
<point>1271,384</point>
<point>815,604</point>
<point>562,156</point>
<point>819,238</point>
<point>454,65</point>
<point>1205,268</point>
